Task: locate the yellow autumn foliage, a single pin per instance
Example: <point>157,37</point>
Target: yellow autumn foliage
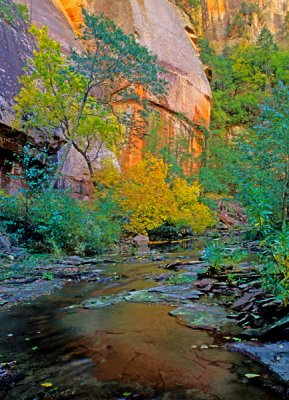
<point>146,195</point>
<point>107,176</point>
<point>191,212</point>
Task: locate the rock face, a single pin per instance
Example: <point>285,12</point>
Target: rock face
<point>159,25</point>
<point>16,46</point>
<point>219,17</point>
<point>222,21</point>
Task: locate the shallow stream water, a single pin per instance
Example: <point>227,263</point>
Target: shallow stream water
<point>124,351</point>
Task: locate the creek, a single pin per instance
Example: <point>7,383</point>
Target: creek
<point>121,351</point>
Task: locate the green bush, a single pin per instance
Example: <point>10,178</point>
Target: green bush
<point>58,223</point>
<point>165,231</point>
<point>276,264</point>
<point>23,12</point>
<point>6,12</point>
<point>219,257</point>
<point>181,279</point>
<point>52,221</point>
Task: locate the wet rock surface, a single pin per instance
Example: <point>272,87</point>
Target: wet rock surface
<point>280,325</point>
<point>166,294</point>
<point>207,317</point>
<point>8,375</point>
<point>21,283</point>
<point>275,356</point>
<point>237,305</point>
<point>23,290</point>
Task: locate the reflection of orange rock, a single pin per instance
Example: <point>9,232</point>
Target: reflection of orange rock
<point>158,25</point>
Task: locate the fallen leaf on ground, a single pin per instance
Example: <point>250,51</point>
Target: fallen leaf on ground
<point>46,384</point>
<point>251,376</point>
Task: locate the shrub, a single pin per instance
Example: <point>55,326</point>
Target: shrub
<point>181,279</point>
<point>166,231</point>
<point>219,257</point>
<point>145,194</point>
<point>151,200</point>
<point>276,261</point>
<point>51,220</point>
<point>190,211</point>
<point>56,222</point>
<point>12,11</point>
<point>23,11</point>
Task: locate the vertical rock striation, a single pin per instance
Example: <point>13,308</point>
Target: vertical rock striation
<point>223,21</point>
<point>159,25</point>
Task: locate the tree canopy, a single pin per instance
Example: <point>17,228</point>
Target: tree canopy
<point>73,95</point>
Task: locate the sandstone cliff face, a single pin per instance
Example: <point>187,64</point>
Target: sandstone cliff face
<point>219,17</point>
<point>16,46</point>
<point>222,21</point>
<point>159,25</point>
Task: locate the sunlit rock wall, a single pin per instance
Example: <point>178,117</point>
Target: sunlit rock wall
<point>216,18</point>
<point>16,46</point>
<point>72,10</point>
<point>158,24</point>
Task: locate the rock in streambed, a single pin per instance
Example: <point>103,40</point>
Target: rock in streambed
<point>275,356</point>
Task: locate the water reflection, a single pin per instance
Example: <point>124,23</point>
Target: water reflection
<point>126,348</point>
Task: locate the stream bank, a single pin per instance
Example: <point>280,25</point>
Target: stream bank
<point>125,332</point>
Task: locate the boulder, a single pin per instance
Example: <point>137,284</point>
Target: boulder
<point>5,244</point>
<point>280,325</point>
<point>142,242</point>
<point>208,317</point>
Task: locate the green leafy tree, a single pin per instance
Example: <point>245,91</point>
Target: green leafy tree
<point>33,177</point>
<point>73,95</point>
<point>266,40</point>
<point>266,157</point>
<point>37,167</point>
<point>219,163</point>
<point>244,76</point>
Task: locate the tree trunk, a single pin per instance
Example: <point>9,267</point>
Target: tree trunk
<point>59,168</point>
<point>70,142</point>
<point>88,162</point>
<point>285,201</point>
